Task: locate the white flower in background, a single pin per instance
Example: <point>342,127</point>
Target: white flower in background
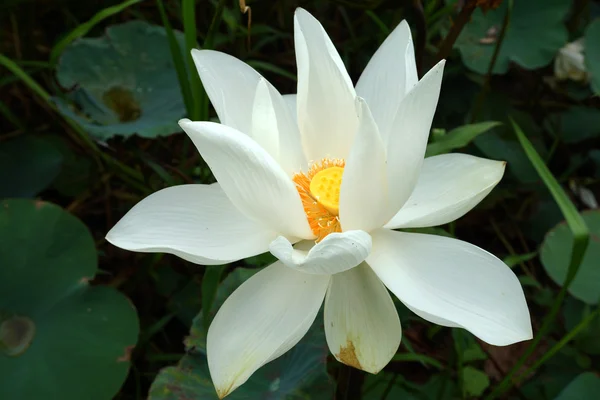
<point>569,62</point>
<point>320,179</point>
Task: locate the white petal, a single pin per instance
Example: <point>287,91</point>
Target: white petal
<point>232,87</point>
<point>252,180</point>
<point>291,103</point>
<point>195,222</point>
<point>336,253</point>
<point>389,76</point>
<point>265,317</point>
<point>361,323</point>
<point>326,116</point>
<point>364,196</point>
<point>274,128</point>
<point>449,186</point>
<point>455,281</point>
<point>264,121</point>
<point>408,139</point>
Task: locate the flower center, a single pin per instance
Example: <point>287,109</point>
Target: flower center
<point>319,191</point>
<point>325,188</point>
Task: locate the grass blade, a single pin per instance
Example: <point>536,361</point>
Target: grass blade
<point>178,60</point>
<point>210,284</point>
<point>84,28</point>
<point>421,358</point>
<point>129,174</point>
<point>188,10</point>
<point>459,137</point>
<point>581,238</point>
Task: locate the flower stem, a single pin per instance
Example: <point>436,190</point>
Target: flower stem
<point>461,20</point>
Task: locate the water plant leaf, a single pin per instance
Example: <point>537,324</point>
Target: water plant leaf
<point>123,83</point>
<point>555,255</point>
<point>535,33</point>
<point>60,338</point>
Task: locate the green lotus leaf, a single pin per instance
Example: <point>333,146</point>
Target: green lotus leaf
<point>60,338</point>
<point>29,165</point>
<point>555,255</point>
<point>534,35</point>
<point>123,83</point>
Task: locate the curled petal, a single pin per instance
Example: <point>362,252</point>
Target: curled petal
<point>336,253</point>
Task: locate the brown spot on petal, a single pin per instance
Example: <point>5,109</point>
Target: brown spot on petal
<point>222,393</point>
<point>347,355</point>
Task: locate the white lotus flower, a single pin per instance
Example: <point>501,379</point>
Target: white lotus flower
<point>321,179</point>
<point>570,62</point>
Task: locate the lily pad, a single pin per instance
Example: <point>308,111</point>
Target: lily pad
<point>123,83</point>
<point>592,54</point>
<point>555,255</point>
<point>534,35</point>
<point>585,386</point>
<point>28,165</point>
<point>300,373</point>
<point>59,337</point>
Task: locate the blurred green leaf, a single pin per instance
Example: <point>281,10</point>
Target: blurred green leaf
<point>77,340</point>
<point>210,285</point>
<point>499,143</point>
<point>421,358</point>
<point>585,386</point>
<point>458,137</point>
<point>579,123</point>
<point>555,254</point>
<point>592,54</point>
<point>388,386</point>
<point>78,171</point>
<point>534,35</point>
<point>29,165</point>
<point>475,381</point>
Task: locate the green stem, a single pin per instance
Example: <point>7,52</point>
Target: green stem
<point>488,76</point>
<point>581,240</point>
<point>178,59</point>
<point>461,20</point>
<point>565,339</point>
<point>188,9</point>
<point>208,44</point>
